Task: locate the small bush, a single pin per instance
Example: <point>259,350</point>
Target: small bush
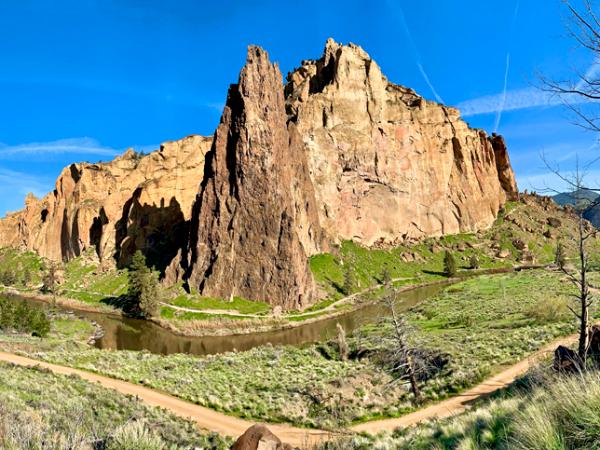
<point>134,436</point>
<point>450,267</point>
<point>548,310</point>
<point>19,316</point>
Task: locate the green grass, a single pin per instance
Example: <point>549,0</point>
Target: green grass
<point>552,413</point>
<point>238,304</point>
<point>478,324</point>
<point>39,409</point>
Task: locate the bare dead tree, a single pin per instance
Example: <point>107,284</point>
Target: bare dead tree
<point>580,276</point>
<point>401,358</point>
<point>342,342</point>
<point>580,93</point>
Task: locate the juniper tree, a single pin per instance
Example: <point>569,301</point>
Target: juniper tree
<point>559,257</point>
<point>474,262</point>
<point>450,268</point>
<point>143,290</point>
<point>349,281</point>
<point>50,281</point>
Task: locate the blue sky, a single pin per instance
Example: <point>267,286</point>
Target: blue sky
<point>83,80</point>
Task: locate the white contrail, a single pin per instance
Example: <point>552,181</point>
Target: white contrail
<point>503,98</point>
<point>436,95</point>
<point>506,70</point>
<point>400,13</point>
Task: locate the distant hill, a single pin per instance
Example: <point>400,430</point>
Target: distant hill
<point>582,199</point>
<point>571,198</point>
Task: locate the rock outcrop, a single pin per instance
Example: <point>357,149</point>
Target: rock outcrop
<point>255,223</point>
<point>386,163</point>
<point>259,437</point>
<point>133,202</point>
<point>337,153</point>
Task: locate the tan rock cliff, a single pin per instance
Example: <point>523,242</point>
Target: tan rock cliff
<point>385,162</point>
<point>115,207</point>
<point>337,153</point>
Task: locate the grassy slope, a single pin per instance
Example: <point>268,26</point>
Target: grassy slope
<point>413,263</point>
<point>551,413</point>
<point>57,408</point>
<point>480,324</point>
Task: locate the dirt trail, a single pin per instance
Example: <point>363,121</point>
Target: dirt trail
<point>459,403</point>
<point>305,438</point>
<point>205,418</point>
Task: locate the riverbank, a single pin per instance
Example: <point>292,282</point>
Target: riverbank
<point>217,324</point>
<point>473,329</point>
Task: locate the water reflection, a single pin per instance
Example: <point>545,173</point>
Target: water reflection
<point>133,334</point>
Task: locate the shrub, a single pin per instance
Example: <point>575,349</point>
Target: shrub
<point>8,277</point>
<point>450,268</point>
<point>134,436</point>
<point>474,262</point>
<point>22,317</point>
<point>548,310</point>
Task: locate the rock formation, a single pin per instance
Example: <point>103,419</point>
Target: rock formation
<point>337,153</point>
<point>132,202</point>
<point>386,163</point>
<point>256,222</point>
<point>259,437</point>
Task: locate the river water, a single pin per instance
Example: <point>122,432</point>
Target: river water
<point>122,333</point>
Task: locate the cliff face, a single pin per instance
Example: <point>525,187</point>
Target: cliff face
<point>131,202</point>
<point>387,163</point>
<point>255,222</point>
<point>337,153</point>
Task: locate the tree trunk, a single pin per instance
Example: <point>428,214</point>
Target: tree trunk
<point>412,376</point>
<point>583,296</point>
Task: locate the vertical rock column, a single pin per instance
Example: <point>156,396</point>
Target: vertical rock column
<point>256,209</point>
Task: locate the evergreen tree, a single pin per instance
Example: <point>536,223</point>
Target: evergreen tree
<point>559,258</point>
<point>450,268</point>
<point>50,281</point>
<point>349,281</point>
<point>143,288</point>
<point>386,278</point>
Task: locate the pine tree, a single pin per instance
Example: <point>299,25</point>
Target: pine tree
<point>449,264</point>
<point>349,281</point>
<point>560,259</point>
<point>144,290</point>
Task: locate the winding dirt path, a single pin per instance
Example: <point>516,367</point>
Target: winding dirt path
<point>300,437</point>
<point>205,418</point>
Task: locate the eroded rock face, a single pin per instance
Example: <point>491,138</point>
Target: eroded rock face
<point>337,153</point>
<point>130,203</point>
<point>255,223</point>
<point>387,163</point>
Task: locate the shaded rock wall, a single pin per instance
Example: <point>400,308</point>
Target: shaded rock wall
<point>256,219</point>
<point>130,203</point>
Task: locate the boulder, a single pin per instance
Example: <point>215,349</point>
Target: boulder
<point>519,244</point>
<point>504,253</point>
<point>554,222</point>
<point>565,359</point>
<point>259,437</point>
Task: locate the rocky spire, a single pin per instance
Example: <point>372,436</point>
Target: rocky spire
<point>256,204</point>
